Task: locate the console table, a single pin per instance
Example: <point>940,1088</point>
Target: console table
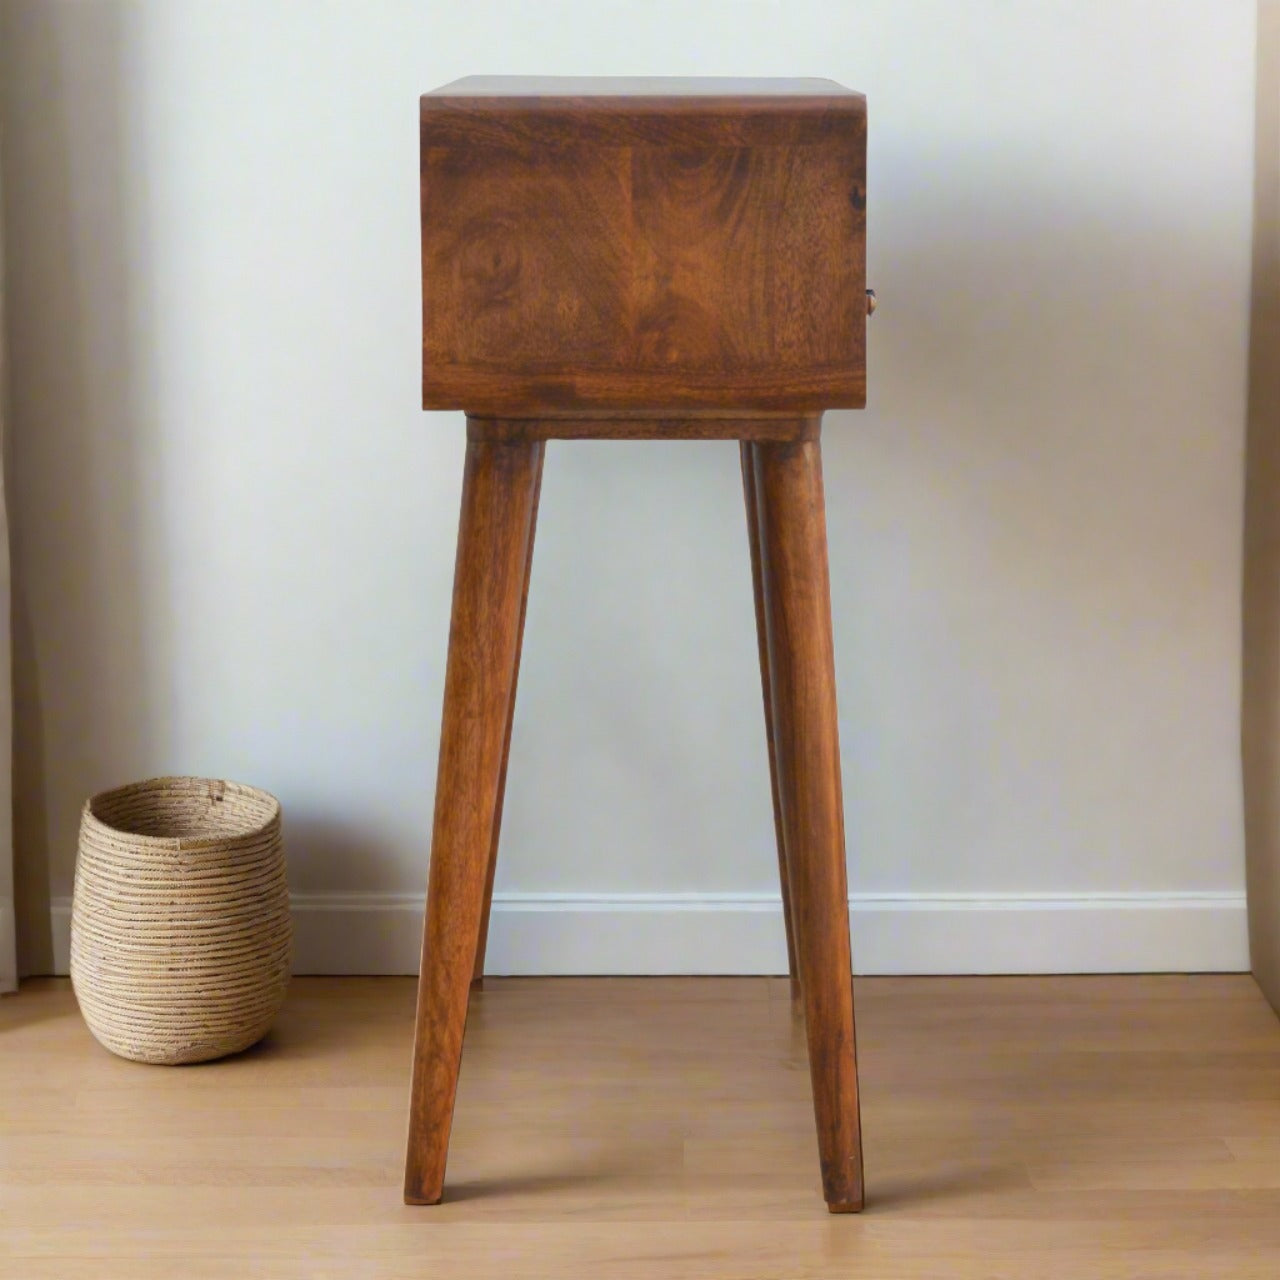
<point>642,259</point>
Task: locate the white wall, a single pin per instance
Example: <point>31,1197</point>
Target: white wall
<point>234,527</point>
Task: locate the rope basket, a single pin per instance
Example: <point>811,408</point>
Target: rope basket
<point>181,939</point>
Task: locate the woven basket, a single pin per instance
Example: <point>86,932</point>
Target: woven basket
<point>180,933</point>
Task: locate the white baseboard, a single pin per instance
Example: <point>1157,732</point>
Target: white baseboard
<point>666,933</point>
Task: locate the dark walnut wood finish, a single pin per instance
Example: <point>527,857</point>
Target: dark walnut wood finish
<point>638,250</point>
<point>648,259</point>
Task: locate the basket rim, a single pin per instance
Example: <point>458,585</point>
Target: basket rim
<point>89,818</point>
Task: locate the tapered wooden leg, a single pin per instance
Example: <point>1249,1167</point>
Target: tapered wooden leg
<point>807,750</point>
<point>498,495</point>
<point>747,451</point>
<point>477,979</point>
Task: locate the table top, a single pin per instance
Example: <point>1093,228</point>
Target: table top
<point>640,87</point>
<point>646,110</point>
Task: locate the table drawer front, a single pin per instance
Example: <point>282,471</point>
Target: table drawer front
<point>581,277</point>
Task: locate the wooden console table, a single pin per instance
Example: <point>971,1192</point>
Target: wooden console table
<point>642,259</point>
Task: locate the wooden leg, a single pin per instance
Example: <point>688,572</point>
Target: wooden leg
<point>807,749</point>
<point>477,980</point>
<point>498,493</point>
<point>747,450</point>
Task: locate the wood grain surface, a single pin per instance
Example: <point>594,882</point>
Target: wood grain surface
<point>747,461</point>
<point>499,494</point>
<point>694,425</point>
<point>605,111</point>
<point>487,905</point>
<point>1095,1128</point>
<point>806,742</point>
<point>632,251</point>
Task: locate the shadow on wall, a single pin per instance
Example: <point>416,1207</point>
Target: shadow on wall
<point>338,849</point>
<point>1260,720</point>
<point>76,454</point>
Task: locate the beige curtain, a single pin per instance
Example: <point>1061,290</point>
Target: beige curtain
<point>8,913</point>
<point>1261,705</point>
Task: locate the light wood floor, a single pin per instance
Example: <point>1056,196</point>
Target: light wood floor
<point>1025,1128</point>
